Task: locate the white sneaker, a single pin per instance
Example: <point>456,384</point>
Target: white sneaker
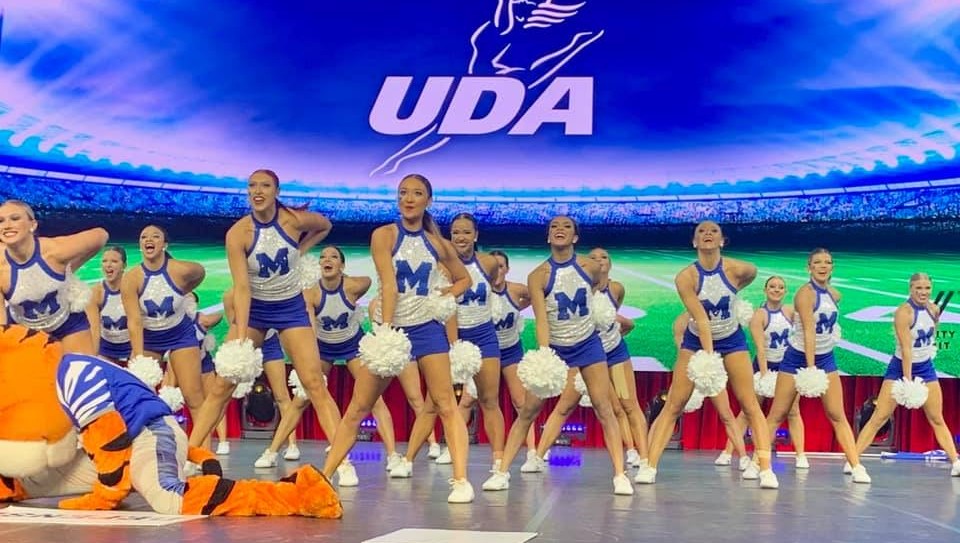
<point>847,469</point>
<point>348,474</point>
<point>860,475</point>
<point>403,470</point>
<point>642,463</point>
<point>223,448</point>
<point>292,453</point>
<point>646,475</point>
<point>498,481</point>
<point>955,470</point>
<point>267,460</point>
<point>768,479</point>
<point>461,491</point>
<point>622,486</point>
<point>744,462</point>
<point>802,462</point>
<point>393,461</point>
<point>633,458</point>
<point>444,457</point>
<point>534,464</point>
<point>723,460</point>
<point>546,456</point>
<point>434,451</point>
<point>752,472</point>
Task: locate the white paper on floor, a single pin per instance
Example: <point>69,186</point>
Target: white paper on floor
<point>16,514</point>
<point>416,535</point>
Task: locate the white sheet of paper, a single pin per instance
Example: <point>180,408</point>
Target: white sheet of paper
<point>16,514</point>
<point>416,535</point>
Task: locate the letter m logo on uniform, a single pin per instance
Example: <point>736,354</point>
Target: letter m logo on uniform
<point>339,323</point>
<point>47,306</point>
<point>577,305</point>
<point>163,309</point>
<point>418,280</point>
<point>274,266</point>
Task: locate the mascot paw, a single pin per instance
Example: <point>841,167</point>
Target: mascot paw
<point>11,490</point>
<point>88,502</point>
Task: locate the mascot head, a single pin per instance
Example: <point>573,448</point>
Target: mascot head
<point>35,433</point>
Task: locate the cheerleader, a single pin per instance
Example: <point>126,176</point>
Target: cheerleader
<point>769,328</point>
<point>560,291</point>
<point>203,323</point>
<point>475,325</point>
<point>154,301</point>
<point>108,323</point>
<point>708,289</point>
<point>35,283</point>
<point>915,327</point>
<point>263,256</point>
<point>810,344</point>
<point>633,423</point>
<point>407,256</point>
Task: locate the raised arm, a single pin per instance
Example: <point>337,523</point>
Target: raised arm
<point>76,249</point>
<point>190,274</point>
<point>687,290</point>
<point>314,225</point>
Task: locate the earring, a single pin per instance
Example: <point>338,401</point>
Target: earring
<point>694,245</point>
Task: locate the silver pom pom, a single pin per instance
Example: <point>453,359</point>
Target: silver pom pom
<point>385,350</point>
<point>604,312</point>
<point>765,384</point>
<point>242,389</point>
<point>441,307</point>
<point>498,308</point>
<point>147,369</point>
<point>542,373</point>
<point>743,311</point>
<point>76,292</point>
<point>695,402</point>
<point>910,394</point>
<point>811,382</point>
<point>707,372</point>
<point>308,271</point>
<point>238,361</point>
<point>172,396</point>
<point>465,361</point>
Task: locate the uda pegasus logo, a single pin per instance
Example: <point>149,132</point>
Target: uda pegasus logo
<point>515,54</point>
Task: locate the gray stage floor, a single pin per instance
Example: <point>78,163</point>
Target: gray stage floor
<point>573,502</point>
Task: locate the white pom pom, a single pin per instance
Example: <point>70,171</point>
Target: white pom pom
<point>580,385</point>
<point>308,271</point>
<point>743,310</point>
<point>695,402</point>
<point>465,361</point>
<point>209,343</point>
<point>190,306</point>
<point>242,389</point>
<point>837,332</point>
<point>385,351</point>
<point>172,396</point>
<point>811,382</point>
<point>441,307</point>
<point>498,308</point>
<point>294,381</point>
<point>237,361</point>
<point>585,401</point>
<point>76,292</point>
<point>910,394</point>
<point>604,313</point>
<point>765,384</point>
<point>707,372</point>
<point>542,373</point>
<point>147,369</point>
<point>470,387</point>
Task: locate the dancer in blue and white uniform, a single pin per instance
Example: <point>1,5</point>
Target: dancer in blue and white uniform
<point>33,280</point>
<point>108,321</point>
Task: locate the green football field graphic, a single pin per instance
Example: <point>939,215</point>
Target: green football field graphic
<point>871,284</point>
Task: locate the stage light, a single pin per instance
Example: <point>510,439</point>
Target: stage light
<point>570,431</point>
<point>259,413</point>
<point>368,427</point>
<point>653,411</point>
<point>885,435</point>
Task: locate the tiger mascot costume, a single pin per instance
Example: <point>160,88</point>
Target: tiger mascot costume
<point>130,442</point>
